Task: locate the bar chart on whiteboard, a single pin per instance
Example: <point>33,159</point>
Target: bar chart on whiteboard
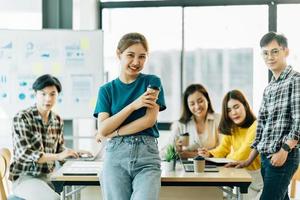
<point>74,57</point>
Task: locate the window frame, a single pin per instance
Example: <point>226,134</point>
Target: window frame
<point>272,16</point>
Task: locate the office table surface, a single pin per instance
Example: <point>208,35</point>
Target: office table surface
<point>179,175</point>
<point>225,177</point>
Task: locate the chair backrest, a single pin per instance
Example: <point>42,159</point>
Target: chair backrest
<point>5,157</point>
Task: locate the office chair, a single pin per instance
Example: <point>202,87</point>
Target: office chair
<point>295,178</point>
<point>5,157</point>
<point>4,166</point>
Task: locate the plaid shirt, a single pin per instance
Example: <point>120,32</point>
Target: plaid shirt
<point>279,114</point>
<point>32,138</point>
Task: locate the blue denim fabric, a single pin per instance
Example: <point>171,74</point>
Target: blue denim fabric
<point>131,169</point>
<point>13,197</point>
<point>277,179</point>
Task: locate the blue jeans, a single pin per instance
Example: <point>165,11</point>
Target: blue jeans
<point>131,169</point>
<point>277,179</point>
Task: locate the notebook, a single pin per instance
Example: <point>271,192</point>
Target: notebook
<point>219,161</point>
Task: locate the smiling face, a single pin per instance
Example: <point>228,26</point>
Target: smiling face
<point>198,104</point>
<point>236,111</point>
<point>275,56</point>
<point>132,60</point>
<point>46,98</point>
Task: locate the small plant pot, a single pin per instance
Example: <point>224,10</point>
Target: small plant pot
<point>170,166</point>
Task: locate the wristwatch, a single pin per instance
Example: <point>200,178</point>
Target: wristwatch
<point>286,147</point>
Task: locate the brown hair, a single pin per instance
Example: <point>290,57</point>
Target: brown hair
<point>186,113</point>
<point>130,39</point>
<point>226,125</point>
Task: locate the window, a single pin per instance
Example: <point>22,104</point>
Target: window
<point>287,14</point>
<point>222,50</point>
<point>161,26</point>
<point>13,14</point>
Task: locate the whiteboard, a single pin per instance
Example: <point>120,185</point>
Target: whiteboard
<point>74,57</point>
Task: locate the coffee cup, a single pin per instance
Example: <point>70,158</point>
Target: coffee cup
<point>184,138</point>
<point>199,164</point>
<point>154,89</point>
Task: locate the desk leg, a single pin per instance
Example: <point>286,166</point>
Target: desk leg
<point>75,193</point>
<point>62,194</point>
<point>238,193</point>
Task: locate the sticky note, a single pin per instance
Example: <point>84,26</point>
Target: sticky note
<point>84,43</point>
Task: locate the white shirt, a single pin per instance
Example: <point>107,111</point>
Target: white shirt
<point>209,139</point>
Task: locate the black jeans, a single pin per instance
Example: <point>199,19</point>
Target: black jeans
<point>277,179</point>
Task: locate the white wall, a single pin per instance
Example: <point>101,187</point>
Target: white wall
<point>13,13</point>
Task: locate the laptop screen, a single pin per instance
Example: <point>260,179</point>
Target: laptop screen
<point>85,157</point>
<point>187,165</point>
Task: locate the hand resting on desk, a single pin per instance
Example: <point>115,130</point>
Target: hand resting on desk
<point>238,164</point>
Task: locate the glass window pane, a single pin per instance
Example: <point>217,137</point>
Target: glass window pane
<point>162,28</point>
<point>13,14</point>
<point>287,14</point>
<point>222,50</point>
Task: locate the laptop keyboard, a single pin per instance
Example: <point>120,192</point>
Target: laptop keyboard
<point>189,167</point>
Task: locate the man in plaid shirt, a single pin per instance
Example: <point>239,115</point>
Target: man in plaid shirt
<point>278,128</point>
<point>37,143</point>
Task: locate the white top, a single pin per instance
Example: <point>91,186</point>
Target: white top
<point>209,139</point>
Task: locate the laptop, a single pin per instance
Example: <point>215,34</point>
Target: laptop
<point>88,157</point>
<point>188,166</point>
<point>82,169</point>
<point>80,172</point>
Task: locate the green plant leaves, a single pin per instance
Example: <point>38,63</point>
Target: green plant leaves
<point>171,153</point>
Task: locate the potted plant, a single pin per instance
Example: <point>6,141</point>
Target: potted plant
<point>171,157</point>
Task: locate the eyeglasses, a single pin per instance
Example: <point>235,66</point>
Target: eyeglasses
<point>272,53</point>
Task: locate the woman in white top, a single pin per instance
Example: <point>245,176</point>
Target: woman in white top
<point>199,120</point>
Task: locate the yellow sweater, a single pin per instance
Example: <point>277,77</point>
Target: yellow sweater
<point>237,146</point>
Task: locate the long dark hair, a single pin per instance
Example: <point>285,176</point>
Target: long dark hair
<point>226,125</point>
<point>191,89</point>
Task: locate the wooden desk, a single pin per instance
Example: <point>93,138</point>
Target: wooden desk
<point>225,177</point>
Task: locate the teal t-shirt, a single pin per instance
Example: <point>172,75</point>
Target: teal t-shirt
<point>115,95</point>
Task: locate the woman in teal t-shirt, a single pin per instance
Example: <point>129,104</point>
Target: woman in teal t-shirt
<point>127,110</point>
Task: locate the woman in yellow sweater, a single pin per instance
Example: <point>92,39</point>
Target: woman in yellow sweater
<point>238,124</point>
